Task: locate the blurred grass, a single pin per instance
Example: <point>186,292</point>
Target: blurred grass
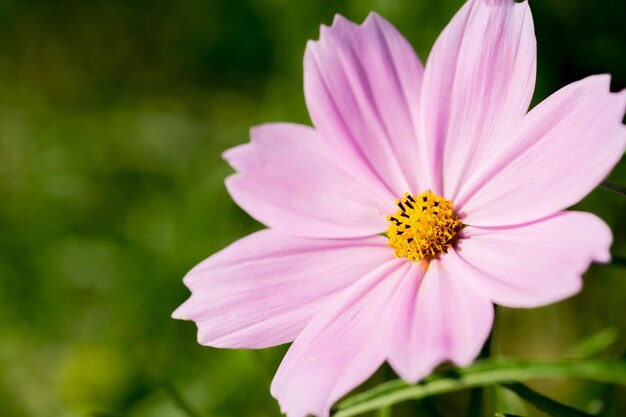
<point>113,115</point>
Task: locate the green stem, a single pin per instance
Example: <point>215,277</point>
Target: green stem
<point>384,412</point>
<point>482,373</point>
<point>612,186</point>
<point>543,403</point>
<point>475,407</point>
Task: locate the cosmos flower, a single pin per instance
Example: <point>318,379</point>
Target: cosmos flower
<point>422,196</point>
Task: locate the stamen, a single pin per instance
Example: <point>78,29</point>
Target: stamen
<point>429,231</point>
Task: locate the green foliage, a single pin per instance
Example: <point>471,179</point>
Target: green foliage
<point>544,403</point>
<point>483,373</point>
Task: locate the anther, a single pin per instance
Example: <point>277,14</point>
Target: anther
<point>424,233</point>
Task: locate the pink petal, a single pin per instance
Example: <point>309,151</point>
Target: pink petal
<point>362,86</point>
<point>478,84</point>
<point>341,347</point>
<point>264,289</point>
<point>438,318</point>
<point>563,149</point>
<point>535,264</point>
<point>290,181</point>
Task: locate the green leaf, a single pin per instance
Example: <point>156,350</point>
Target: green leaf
<point>501,400</point>
<point>595,344</point>
<point>543,403</point>
<point>482,373</point>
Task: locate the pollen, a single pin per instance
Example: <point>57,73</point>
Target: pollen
<point>424,226</point>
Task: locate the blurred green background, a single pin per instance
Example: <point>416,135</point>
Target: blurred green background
<point>113,115</point>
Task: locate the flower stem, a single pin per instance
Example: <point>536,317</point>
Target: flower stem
<point>612,186</point>
<point>543,403</point>
<point>483,373</point>
<point>475,407</point>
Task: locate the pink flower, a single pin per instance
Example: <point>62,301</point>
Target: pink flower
<point>482,222</point>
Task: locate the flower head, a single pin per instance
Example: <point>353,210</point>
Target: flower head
<point>468,185</point>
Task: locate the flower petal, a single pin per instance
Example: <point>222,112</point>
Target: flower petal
<point>289,180</point>
<point>362,87</point>
<point>264,289</point>
<point>563,149</point>
<point>535,264</point>
<point>341,347</point>
<point>438,318</point>
<point>478,83</point>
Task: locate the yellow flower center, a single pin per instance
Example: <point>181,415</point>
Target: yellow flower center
<point>424,226</point>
